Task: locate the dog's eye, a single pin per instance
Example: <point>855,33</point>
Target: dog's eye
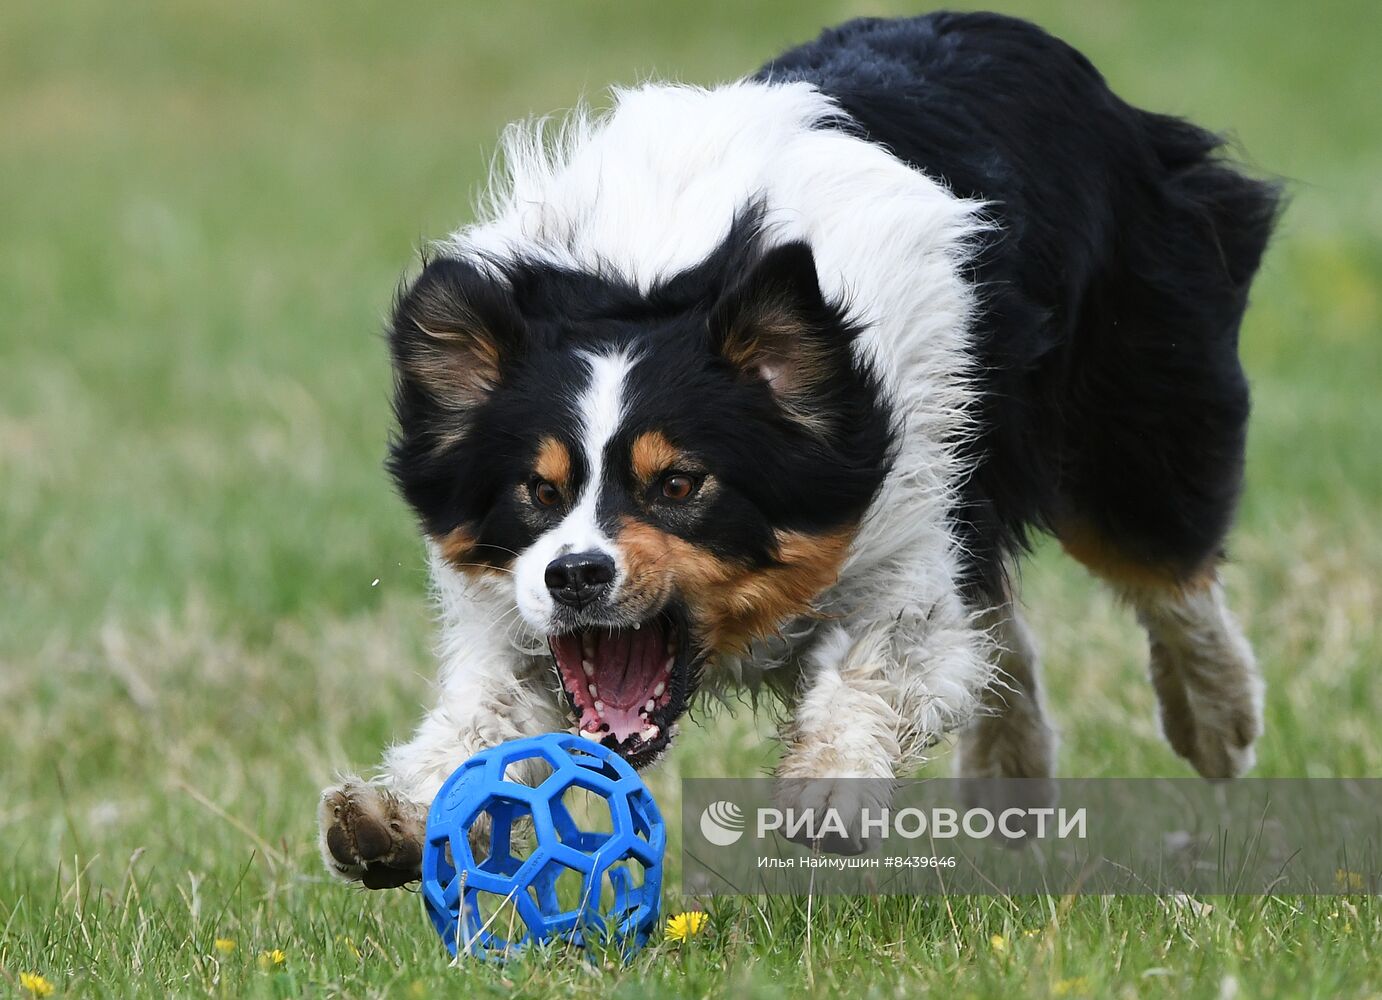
<point>678,487</point>
<point>545,494</point>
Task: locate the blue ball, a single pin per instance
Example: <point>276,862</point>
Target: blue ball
<point>568,883</point>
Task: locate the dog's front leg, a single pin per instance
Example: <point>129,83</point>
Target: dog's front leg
<point>873,697</point>
<point>372,831</point>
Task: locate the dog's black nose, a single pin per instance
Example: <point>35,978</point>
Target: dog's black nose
<point>579,578</point>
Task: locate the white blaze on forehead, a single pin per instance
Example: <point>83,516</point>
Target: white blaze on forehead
<point>600,410</point>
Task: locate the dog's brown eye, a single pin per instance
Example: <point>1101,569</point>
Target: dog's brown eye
<point>545,494</point>
<point>678,487</point>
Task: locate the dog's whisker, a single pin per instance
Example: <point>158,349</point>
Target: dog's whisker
<point>483,566</point>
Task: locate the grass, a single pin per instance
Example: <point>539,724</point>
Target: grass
<point>205,210</point>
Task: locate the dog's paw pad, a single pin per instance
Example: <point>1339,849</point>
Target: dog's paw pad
<point>371,836</point>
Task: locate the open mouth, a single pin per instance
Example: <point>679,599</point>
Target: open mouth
<point>626,686</point>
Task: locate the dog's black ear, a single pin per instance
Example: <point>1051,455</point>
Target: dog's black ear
<point>774,324</point>
<point>455,332</point>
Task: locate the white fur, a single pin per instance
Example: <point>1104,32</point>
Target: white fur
<point>495,683</point>
<point>602,408</point>
<point>1205,676</point>
<point>646,191</point>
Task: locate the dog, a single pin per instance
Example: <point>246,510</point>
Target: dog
<point>773,384</point>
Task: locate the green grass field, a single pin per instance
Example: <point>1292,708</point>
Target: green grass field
<point>204,209</point>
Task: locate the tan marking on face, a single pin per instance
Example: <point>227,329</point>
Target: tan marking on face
<point>553,463</point>
<point>730,604</point>
<point>1103,557</point>
<point>652,454</point>
<point>459,548</point>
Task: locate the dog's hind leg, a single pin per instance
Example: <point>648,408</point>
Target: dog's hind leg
<point>1010,737</point>
<point>1202,668</point>
<point>1205,677</point>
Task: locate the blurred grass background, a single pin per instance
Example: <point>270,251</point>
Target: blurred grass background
<point>204,210</point>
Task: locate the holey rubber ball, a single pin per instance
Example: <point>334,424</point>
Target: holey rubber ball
<point>575,858</point>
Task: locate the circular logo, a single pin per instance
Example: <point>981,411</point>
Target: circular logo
<point>722,823</point>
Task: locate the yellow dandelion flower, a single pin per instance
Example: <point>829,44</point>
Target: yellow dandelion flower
<point>35,984</point>
<point>223,946</point>
<point>686,925</point>
<point>1347,881</point>
<point>272,958</point>
<point>1065,987</point>
<point>998,943</point>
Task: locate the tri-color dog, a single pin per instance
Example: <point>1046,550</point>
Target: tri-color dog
<point>774,381</point>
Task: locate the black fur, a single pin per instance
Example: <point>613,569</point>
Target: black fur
<point>1112,292</point>
<point>1111,295</point>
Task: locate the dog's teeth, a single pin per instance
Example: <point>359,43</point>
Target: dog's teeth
<point>657,691</point>
<point>592,735</point>
<point>600,707</point>
<point>650,706</point>
<point>637,626</point>
<point>593,692</point>
<point>588,667</point>
<point>649,734</point>
<point>671,660</point>
<point>588,646</point>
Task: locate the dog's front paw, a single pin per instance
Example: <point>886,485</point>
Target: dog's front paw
<point>370,835</point>
<point>830,813</point>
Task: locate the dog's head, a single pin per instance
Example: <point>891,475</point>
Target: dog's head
<point>656,476</point>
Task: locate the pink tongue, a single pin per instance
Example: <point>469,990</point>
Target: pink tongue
<point>628,665</point>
